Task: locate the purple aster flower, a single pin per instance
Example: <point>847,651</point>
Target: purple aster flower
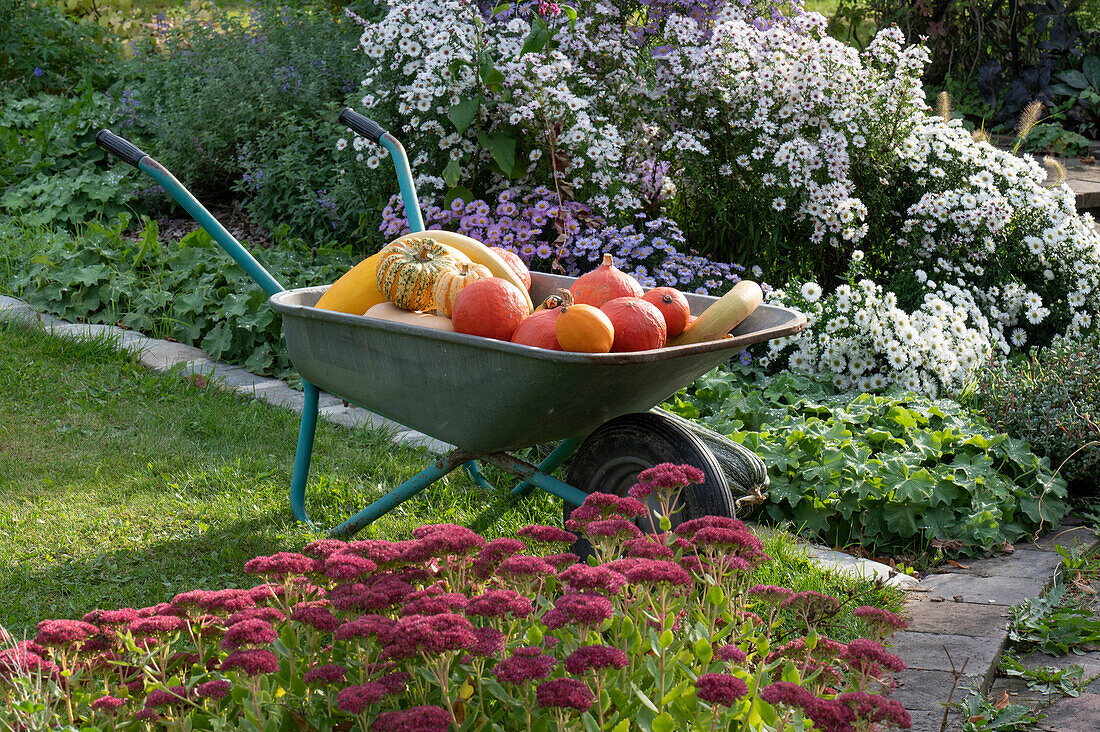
<point>564,694</point>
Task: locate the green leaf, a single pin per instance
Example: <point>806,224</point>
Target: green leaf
<point>1074,78</point>
<point>502,147</point>
<point>503,7</point>
<point>1091,68</point>
<point>463,114</point>
<point>458,192</point>
<point>452,173</point>
<point>664,723</point>
<point>536,40</point>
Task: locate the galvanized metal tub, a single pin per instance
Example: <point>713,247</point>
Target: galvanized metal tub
<point>489,396</point>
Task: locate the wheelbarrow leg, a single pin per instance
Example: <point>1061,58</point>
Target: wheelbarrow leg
<point>304,453</point>
<point>402,493</point>
<point>552,461</point>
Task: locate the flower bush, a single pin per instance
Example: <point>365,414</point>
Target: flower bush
<point>449,631</point>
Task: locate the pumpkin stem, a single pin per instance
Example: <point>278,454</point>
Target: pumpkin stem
<point>425,254</point>
<point>608,260</point>
<point>561,297</point>
<point>666,299</point>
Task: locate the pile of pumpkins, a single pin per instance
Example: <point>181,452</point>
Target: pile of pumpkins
<point>446,281</point>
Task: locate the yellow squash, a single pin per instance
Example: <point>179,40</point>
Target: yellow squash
<point>723,315</point>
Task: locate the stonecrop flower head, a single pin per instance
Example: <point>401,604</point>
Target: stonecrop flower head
<point>722,689</point>
<point>584,578</point>
<point>525,664</point>
<point>499,603</point>
<point>415,719</point>
<point>251,661</point>
<point>213,689</point>
<point>548,534</point>
<point>415,635</point>
<point>665,477</point>
<point>324,675</point>
<point>564,694</point>
<point>346,566</point>
<point>356,699</point>
<point>595,658</point>
<point>578,608</point>
<point>64,633</point>
<point>281,564</point>
<point>253,632</point>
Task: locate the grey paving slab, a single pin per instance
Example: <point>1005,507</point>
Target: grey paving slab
<point>1018,692</point>
<point>1089,662</point>
<point>1030,563</point>
<point>986,590</point>
<point>931,721</point>
<point>13,309</point>
<point>126,339</point>
<point>1080,714</point>
<point>1068,538</point>
<point>923,690</point>
<point>955,618</point>
<point>937,651</point>
<point>858,566</point>
<point>1086,192</point>
<point>160,356</point>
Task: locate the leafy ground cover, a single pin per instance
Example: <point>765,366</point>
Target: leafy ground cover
<point>894,472</point>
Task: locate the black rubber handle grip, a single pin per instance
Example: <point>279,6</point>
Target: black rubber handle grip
<point>119,147</point>
<point>365,126</point>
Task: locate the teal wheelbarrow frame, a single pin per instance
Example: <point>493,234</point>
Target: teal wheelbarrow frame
<point>484,396</point>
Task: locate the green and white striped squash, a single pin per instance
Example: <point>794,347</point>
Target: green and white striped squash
<point>407,272</point>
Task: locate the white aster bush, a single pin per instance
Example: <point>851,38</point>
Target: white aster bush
<point>915,250</point>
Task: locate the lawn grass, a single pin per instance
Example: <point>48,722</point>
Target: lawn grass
<point>120,488</point>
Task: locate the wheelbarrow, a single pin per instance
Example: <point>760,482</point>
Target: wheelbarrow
<point>489,397</point>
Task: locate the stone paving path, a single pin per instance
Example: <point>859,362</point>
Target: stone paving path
<point>958,618</point>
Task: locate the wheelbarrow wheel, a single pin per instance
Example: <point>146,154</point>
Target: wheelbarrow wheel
<point>609,460</point>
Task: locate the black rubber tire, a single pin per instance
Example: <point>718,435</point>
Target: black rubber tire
<point>609,460</point>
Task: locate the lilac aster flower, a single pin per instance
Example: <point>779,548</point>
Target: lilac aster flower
<point>564,694</point>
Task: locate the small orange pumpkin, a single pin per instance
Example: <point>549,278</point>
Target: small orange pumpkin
<point>451,282</point>
<point>407,271</point>
<point>585,329</point>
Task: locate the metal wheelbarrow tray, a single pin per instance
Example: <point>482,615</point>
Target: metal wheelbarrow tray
<point>484,396</point>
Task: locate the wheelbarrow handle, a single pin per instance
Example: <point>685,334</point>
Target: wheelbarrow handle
<point>362,124</point>
<point>119,147</point>
<point>368,128</point>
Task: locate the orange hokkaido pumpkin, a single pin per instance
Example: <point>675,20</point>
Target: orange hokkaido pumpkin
<point>604,283</point>
<point>490,307</point>
<point>539,329</point>
<point>451,282</point>
<point>673,306</point>
<point>585,329</point>
<point>639,325</point>
<point>407,272</point>
<point>515,264</point>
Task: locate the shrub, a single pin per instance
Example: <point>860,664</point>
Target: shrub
<point>249,101</point>
<point>189,291</point>
<point>41,50</point>
<point>895,472</point>
<point>1052,401</point>
<point>666,632</point>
